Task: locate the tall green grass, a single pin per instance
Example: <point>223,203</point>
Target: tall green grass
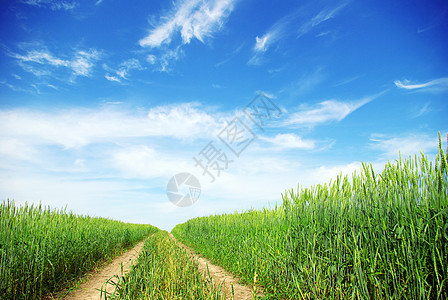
<point>164,270</point>
<point>363,236</point>
<point>42,249</point>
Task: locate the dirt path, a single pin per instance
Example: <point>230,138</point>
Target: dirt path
<point>91,288</point>
<point>221,276</point>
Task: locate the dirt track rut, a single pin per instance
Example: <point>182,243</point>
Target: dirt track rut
<point>221,276</point>
<point>90,289</point>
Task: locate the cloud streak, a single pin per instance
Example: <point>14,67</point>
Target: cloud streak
<point>188,20</point>
<point>53,4</point>
<point>197,19</point>
<point>270,37</point>
<point>43,63</point>
<point>436,85</point>
<point>323,16</point>
<point>326,111</point>
<point>282,28</point>
<point>123,71</point>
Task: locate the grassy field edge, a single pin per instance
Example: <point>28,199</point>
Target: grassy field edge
<point>362,236</point>
<point>42,251</point>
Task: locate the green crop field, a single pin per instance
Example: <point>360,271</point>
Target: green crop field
<point>378,236</point>
<point>166,271</point>
<point>42,249</point>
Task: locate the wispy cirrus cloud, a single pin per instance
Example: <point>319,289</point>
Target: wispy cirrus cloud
<point>167,57</point>
<point>324,15</point>
<point>53,4</point>
<point>423,110</point>
<point>307,82</point>
<point>191,19</point>
<point>112,78</point>
<point>123,70</point>
<point>283,28</point>
<point>230,55</point>
<point>42,62</point>
<point>346,81</point>
<point>83,62</point>
<point>270,37</point>
<point>437,85</point>
<point>326,111</point>
<point>262,43</point>
<point>162,61</point>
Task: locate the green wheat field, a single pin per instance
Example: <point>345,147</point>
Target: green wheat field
<point>363,236</point>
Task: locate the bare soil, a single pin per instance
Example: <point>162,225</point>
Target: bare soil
<point>221,276</point>
<point>91,288</point>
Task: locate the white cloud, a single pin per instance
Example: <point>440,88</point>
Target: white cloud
<point>324,15</point>
<point>11,146</point>
<point>167,57</point>
<point>290,140</point>
<point>183,121</point>
<point>323,33</point>
<point>307,82</point>
<point>436,85</point>
<point>193,19</point>
<point>84,61</point>
<point>261,44</point>
<point>422,110</point>
<point>112,78</point>
<point>44,63</point>
<point>324,174</point>
<point>53,4</point>
<point>346,81</point>
<point>282,28</point>
<point>151,58</point>
<point>272,35</point>
<point>41,57</point>
<point>130,64</point>
<point>327,111</point>
<point>406,144</point>
<point>123,70</point>
<point>144,162</point>
<point>80,127</point>
<point>230,55</point>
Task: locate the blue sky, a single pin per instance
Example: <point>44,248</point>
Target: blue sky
<point>102,102</point>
